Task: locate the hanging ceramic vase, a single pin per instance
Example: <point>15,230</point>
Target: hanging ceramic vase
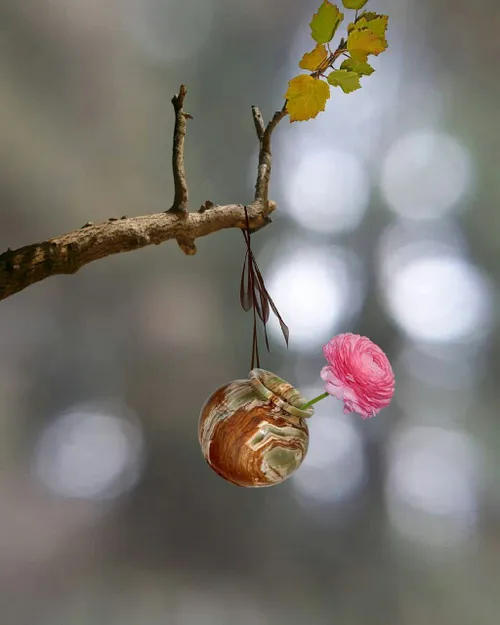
<point>253,432</point>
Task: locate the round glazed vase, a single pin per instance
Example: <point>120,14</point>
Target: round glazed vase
<point>253,432</point>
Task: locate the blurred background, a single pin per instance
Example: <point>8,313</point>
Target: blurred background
<point>387,225</point>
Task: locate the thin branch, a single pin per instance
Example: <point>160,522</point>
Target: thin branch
<point>258,120</point>
<point>179,207</point>
<point>265,157</point>
<point>68,253</point>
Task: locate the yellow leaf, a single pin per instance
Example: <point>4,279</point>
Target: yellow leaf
<point>313,60</point>
<point>325,22</point>
<point>306,97</point>
<point>363,42</point>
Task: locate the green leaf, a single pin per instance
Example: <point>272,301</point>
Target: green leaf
<point>306,97</point>
<point>360,67</point>
<point>354,4</point>
<point>313,60</point>
<point>347,81</point>
<point>325,22</point>
<point>373,21</point>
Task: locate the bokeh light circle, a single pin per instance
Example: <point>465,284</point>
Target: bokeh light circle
<point>89,453</point>
<point>326,190</point>
<point>432,481</point>
<point>425,174</point>
<point>316,290</point>
<point>440,298</point>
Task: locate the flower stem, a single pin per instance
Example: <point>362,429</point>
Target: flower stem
<point>314,401</point>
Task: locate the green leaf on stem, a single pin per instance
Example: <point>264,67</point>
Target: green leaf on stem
<point>347,81</point>
<point>325,22</point>
<point>360,67</point>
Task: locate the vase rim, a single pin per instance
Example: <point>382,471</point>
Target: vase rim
<point>270,386</point>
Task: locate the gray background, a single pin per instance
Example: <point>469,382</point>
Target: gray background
<point>388,225</point>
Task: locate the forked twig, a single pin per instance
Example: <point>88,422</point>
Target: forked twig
<point>68,253</point>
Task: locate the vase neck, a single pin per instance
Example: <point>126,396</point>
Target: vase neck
<point>269,386</point>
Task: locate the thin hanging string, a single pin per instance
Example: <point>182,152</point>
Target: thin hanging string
<point>254,295</point>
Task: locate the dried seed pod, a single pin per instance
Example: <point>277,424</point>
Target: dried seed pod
<point>253,432</point>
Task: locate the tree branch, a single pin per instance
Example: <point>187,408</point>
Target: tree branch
<point>68,253</point>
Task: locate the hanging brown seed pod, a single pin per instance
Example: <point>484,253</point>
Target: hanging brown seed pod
<point>253,432</point>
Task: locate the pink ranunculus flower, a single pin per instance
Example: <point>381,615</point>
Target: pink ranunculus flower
<point>359,373</point>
